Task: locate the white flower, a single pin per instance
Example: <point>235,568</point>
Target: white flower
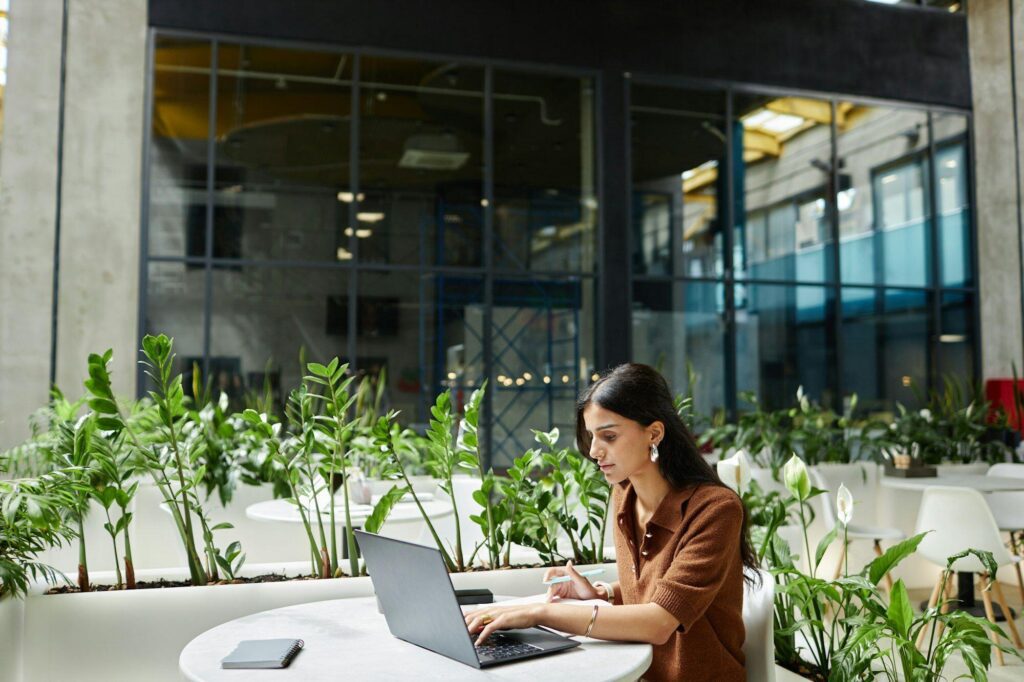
<point>796,479</point>
<point>844,505</point>
<point>735,471</point>
<point>927,414</point>
<point>222,403</point>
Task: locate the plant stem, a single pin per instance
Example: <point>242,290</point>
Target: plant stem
<point>83,565</point>
<point>113,541</point>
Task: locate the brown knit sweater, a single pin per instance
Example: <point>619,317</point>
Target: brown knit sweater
<point>688,562</point>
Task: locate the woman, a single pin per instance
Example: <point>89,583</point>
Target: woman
<point>680,540</point>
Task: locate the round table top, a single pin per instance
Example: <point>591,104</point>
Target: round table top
<point>403,512</point>
<point>980,482</point>
<point>348,639</point>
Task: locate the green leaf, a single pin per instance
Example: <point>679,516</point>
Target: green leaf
<point>824,545</point>
<point>877,569</point>
<point>383,508</point>
<point>900,612</point>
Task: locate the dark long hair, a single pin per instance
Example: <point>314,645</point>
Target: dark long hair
<point>640,393</point>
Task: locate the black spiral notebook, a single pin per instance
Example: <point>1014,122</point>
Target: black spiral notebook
<point>263,653</point>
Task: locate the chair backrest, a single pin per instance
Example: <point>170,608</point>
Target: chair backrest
<point>823,504</point>
<point>758,620</point>
<point>860,478</point>
<point>959,519</point>
<point>1007,507</point>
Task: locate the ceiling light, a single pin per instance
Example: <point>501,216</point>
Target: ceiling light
<point>565,378</point>
<point>952,338</point>
<point>344,254</point>
<point>433,151</point>
<point>520,381</point>
<point>348,232</point>
<point>346,197</point>
<point>370,217</point>
<point>527,376</point>
<point>547,380</point>
<point>363,233</point>
<point>451,375</point>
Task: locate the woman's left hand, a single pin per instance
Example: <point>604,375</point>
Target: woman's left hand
<point>493,617</point>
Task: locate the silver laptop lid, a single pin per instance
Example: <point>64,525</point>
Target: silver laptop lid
<point>417,596</point>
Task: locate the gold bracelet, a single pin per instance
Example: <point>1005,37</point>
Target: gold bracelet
<point>593,619</point>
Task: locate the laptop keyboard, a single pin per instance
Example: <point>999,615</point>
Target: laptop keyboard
<point>499,647</point>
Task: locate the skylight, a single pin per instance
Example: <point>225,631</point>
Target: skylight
<point>769,121</point>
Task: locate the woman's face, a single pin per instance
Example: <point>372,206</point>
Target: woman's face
<point>620,446</point>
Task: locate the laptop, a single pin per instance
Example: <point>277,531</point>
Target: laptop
<point>419,603</point>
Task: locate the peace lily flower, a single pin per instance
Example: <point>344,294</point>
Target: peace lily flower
<point>735,471</point>
<point>927,414</point>
<point>844,505</point>
<point>796,479</point>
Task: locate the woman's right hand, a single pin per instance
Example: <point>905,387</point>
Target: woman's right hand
<point>576,588</point>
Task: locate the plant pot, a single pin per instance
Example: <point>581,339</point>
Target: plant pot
<point>959,468</point>
<point>12,630</point>
<point>71,636</point>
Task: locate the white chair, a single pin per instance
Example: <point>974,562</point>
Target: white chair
<point>759,623</point>
<point>855,531</point>
<point>1008,510</point>
<point>957,519</point>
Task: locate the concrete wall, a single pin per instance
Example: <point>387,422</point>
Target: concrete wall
<point>998,181</point>
<point>28,182</point>
<point>99,243</point>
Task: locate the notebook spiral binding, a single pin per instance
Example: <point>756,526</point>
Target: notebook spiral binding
<point>291,653</point>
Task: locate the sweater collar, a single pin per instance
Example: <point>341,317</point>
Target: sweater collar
<point>668,515</point>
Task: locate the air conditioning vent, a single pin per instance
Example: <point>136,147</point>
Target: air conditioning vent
<point>433,151</point>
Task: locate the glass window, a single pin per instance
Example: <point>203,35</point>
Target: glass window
<point>678,326</point>
<point>281,154</point>
<point>781,176</point>
<point>883,196</point>
<point>545,206</point>
<point>542,338</point>
<point>678,143</point>
<point>174,306</point>
<point>956,334</point>
<point>178,147</point>
<point>4,26</point>
<point>783,342</point>
<point>953,198</point>
<point>420,162</point>
<point>886,340</point>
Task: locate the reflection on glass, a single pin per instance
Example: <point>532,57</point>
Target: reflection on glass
<point>178,150</point>
<point>782,160</point>
<point>883,196</point>
<point>678,144</point>
<point>421,163</point>
<point>4,26</point>
<point>545,211</point>
<point>174,306</point>
<point>956,335</point>
<point>953,199</point>
<point>886,332</point>
<point>679,326</point>
<point>542,340</point>
<point>783,342</point>
<point>425,331</point>
<point>264,317</point>
<point>282,140</point>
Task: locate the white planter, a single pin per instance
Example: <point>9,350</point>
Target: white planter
<point>138,635</point>
<point>12,615</point>
<point>958,469</point>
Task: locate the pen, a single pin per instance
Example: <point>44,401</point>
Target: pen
<point>565,578</point>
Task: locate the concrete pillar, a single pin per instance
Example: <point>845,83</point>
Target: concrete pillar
<point>101,188</point>
<point>102,184</point>
<point>28,184</point>
<point>998,160</point>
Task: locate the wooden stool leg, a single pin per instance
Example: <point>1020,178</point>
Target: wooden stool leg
<point>1001,598</point>
<point>931,604</point>
<point>1016,565</point>
<point>947,597</point>
<point>888,578</point>
<point>839,566</point>
<point>986,596</point>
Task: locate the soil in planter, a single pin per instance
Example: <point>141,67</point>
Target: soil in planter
<point>159,584</point>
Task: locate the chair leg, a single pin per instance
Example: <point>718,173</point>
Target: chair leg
<point>931,604</point>
<point>839,566</point>
<point>1001,598</point>
<point>1016,565</point>
<point>986,596</point>
<point>947,598</point>
<point>888,578</point>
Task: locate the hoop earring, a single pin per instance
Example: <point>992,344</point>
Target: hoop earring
<point>654,452</point>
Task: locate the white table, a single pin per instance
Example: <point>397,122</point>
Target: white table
<point>979,482</point>
<point>348,639</point>
<point>403,512</point>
